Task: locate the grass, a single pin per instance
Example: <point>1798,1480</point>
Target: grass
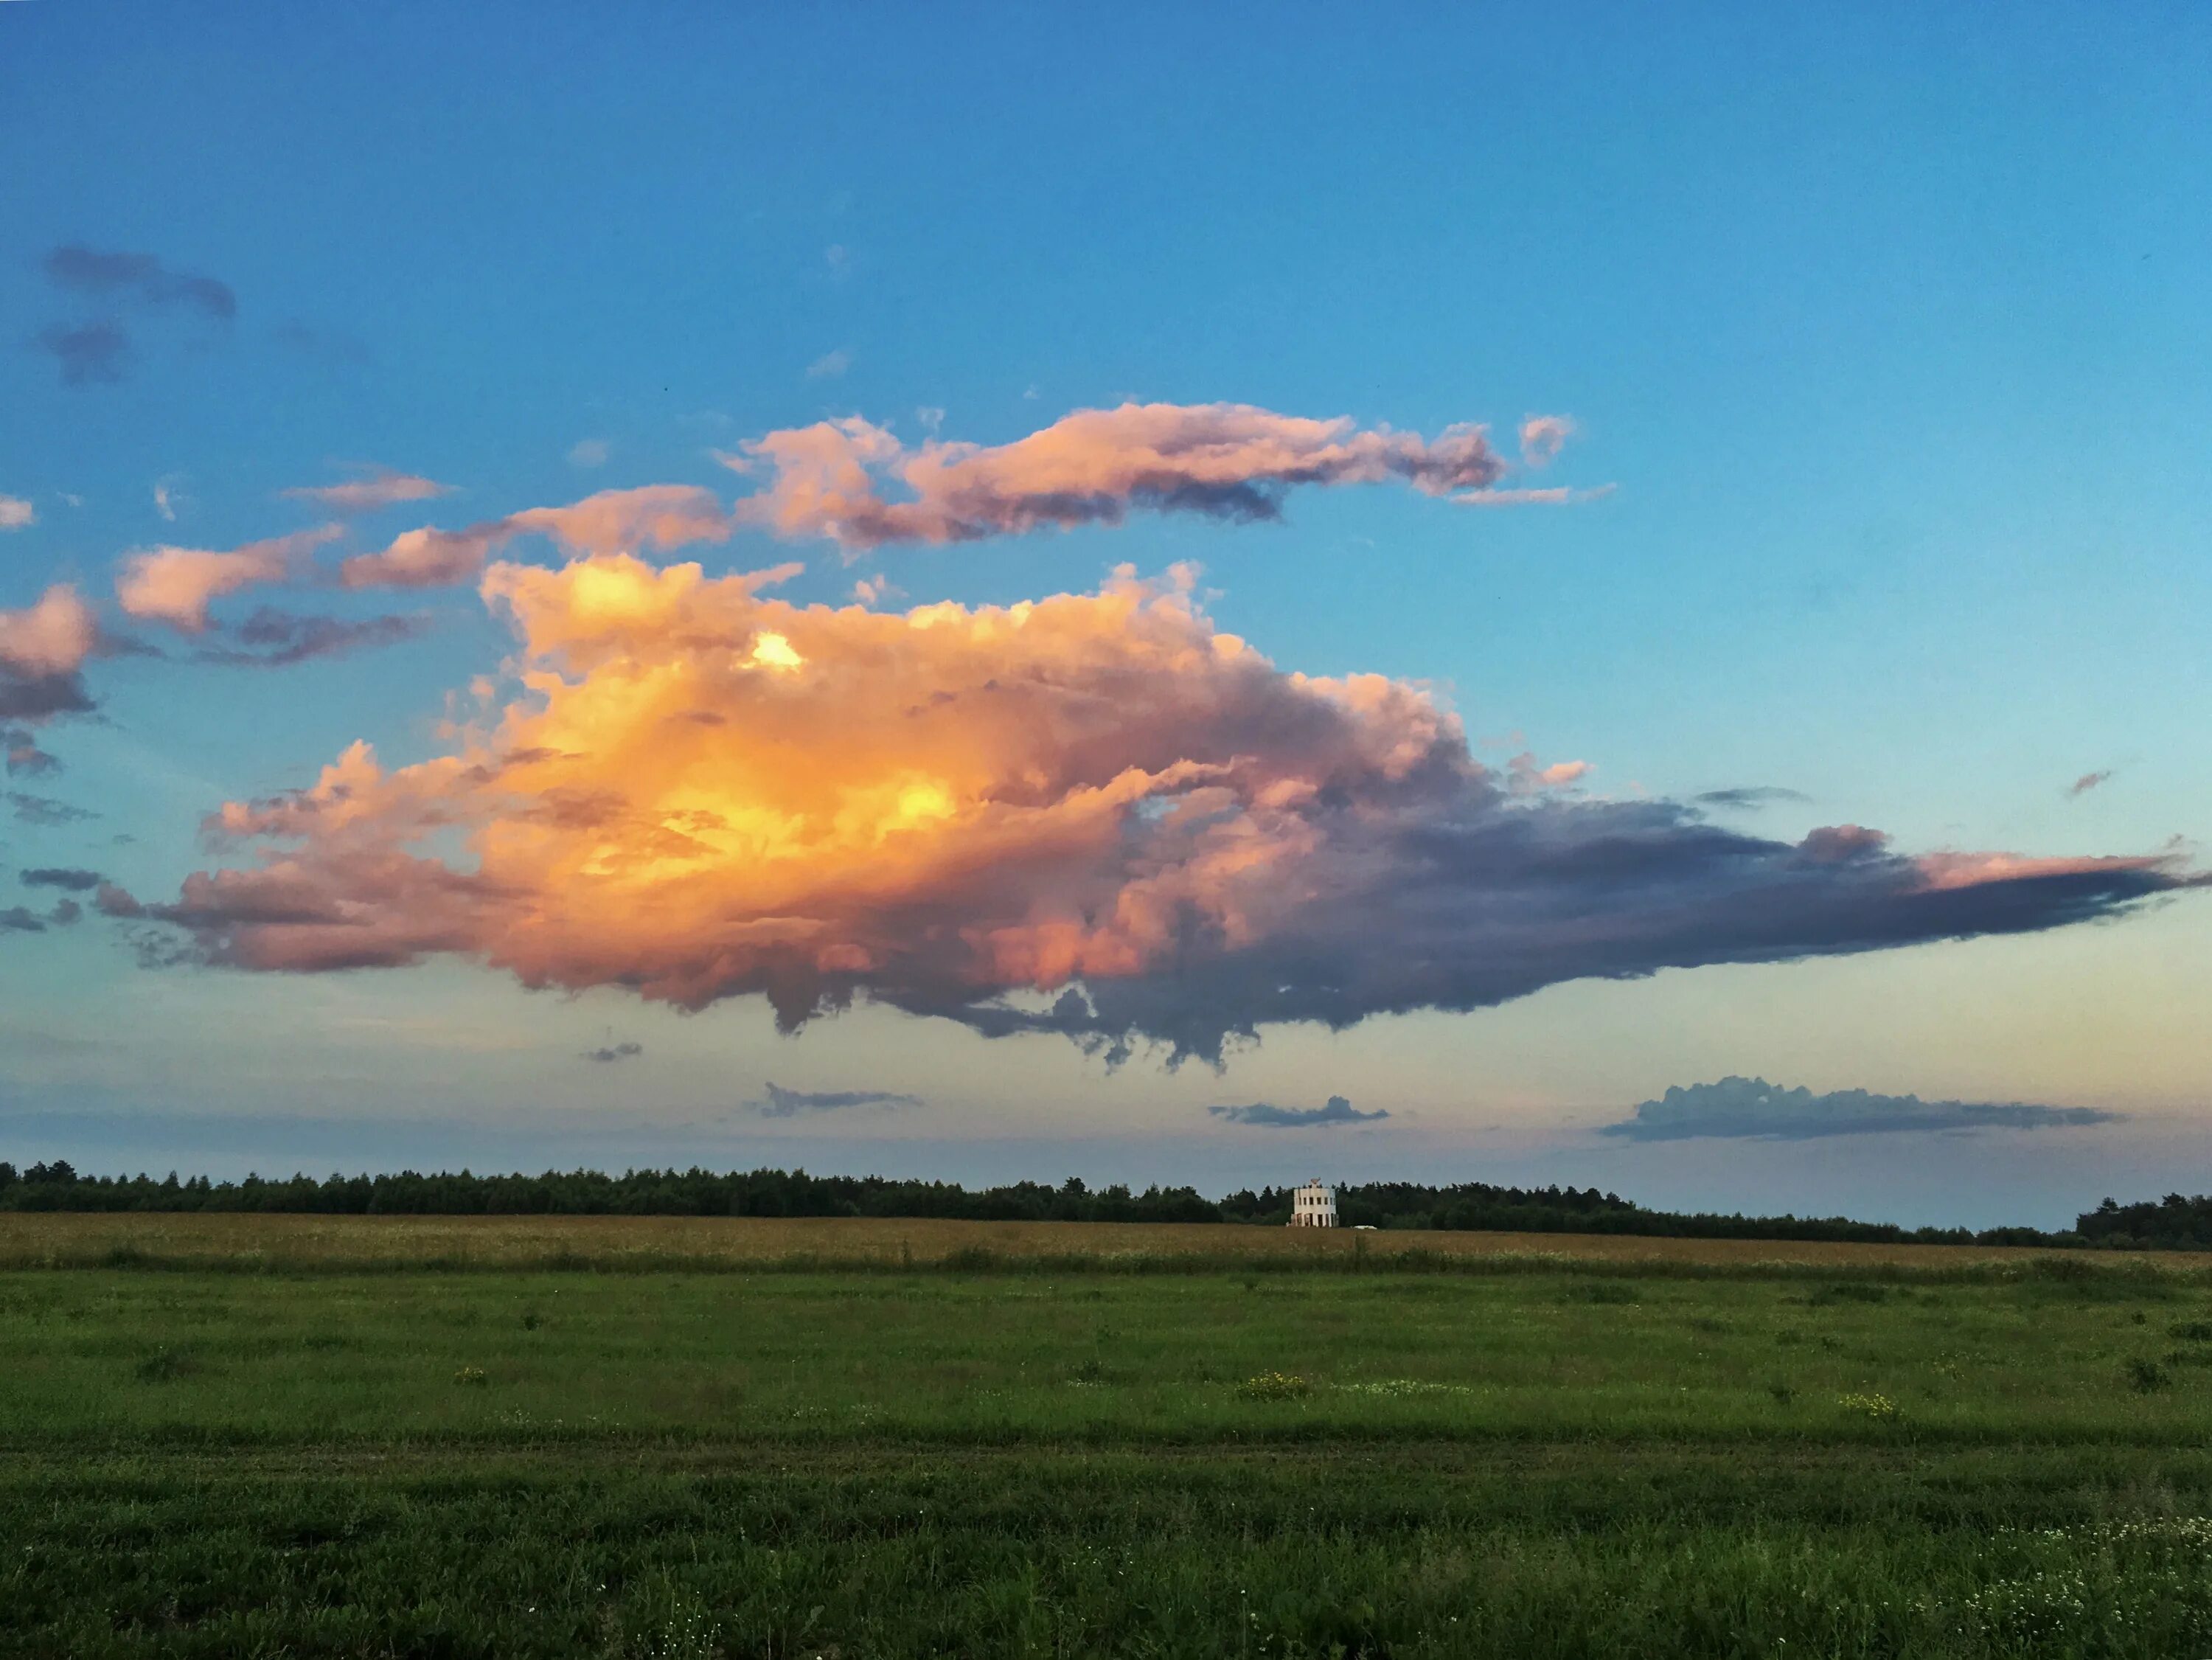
<point>1027,1452</point>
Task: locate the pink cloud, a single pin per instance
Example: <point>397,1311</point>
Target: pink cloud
<point>52,636</point>
<point>1527,775</point>
<point>175,586</point>
<point>657,516</point>
<point>1226,460</point>
<point>380,488</point>
<point>1542,438</point>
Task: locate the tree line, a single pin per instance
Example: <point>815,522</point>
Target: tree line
<point>2174,1223</point>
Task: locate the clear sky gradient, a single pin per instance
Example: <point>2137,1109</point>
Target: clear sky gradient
<point>1885,331</point>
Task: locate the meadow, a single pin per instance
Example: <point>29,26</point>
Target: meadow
<point>661,1436</point>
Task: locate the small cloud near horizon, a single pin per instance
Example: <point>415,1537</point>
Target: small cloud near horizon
<point>2087,781</point>
<point>1752,1109</point>
<point>611,1053</point>
<point>1260,1113</point>
<point>1757,795</point>
<point>789,1104</point>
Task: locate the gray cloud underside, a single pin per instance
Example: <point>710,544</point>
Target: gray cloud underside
<point>1337,1111</point>
<point>70,881</point>
<point>40,697</point>
<point>45,811</point>
<point>789,1104</point>
<point>277,639</point>
<point>1741,1107</point>
<point>1459,902</point>
<point>140,277</point>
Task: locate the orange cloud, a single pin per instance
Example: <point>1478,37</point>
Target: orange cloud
<point>175,586</point>
<point>659,516</point>
<point>1228,460</point>
<point>1095,814</point>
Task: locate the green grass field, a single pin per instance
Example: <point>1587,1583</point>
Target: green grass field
<point>253,1449</point>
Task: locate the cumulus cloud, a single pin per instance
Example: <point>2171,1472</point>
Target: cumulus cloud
<point>2087,781</point>
<point>1753,1107</point>
<point>42,647</point>
<point>1337,1111</point>
<point>69,881</point>
<point>15,513</point>
<point>1094,814</point>
<point>789,1104</point>
<point>377,487</point>
<point>175,586</point>
<point>609,1054</point>
<point>657,516</point>
<point>52,636</point>
<point>1094,466</point>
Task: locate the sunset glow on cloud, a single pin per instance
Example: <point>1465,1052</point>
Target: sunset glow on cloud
<point>1094,466</point>
<point>1094,813</point>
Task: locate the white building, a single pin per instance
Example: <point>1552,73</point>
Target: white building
<point>1314,1206</point>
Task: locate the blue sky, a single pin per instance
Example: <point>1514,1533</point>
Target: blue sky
<point>1888,328</point>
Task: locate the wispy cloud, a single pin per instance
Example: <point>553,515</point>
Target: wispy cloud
<point>68,881</point>
<point>89,354</point>
<point>830,365</point>
<point>377,488</point>
<point>142,278</point>
<point>656,516</point>
<point>175,586</point>
<point>1338,1110</point>
<point>98,349</point>
<point>2087,781</point>
<point>276,639</point>
<point>1748,797</point>
<point>45,812</point>
<point>1094,466</point>
<point>589,452</point>
<point>1751,1107</point>
<point>781,1103</point>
